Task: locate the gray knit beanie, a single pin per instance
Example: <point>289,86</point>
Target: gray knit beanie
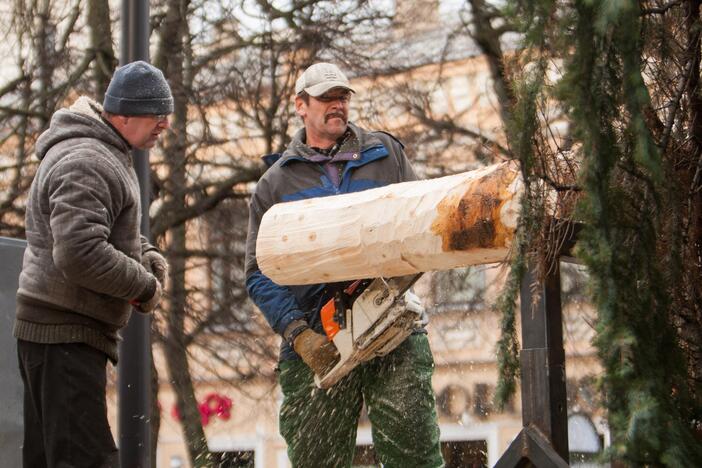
<point>138,88</point>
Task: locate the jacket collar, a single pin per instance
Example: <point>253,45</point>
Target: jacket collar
<point>298,150</point>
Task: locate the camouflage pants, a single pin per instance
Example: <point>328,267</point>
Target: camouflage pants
<point>320,426</point>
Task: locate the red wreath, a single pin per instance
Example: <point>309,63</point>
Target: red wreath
<point>213,405</point>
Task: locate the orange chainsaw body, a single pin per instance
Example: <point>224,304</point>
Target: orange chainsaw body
<point>367,319</point>
<point>328,312</point>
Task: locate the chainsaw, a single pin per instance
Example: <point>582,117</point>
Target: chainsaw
<point>368,318</point>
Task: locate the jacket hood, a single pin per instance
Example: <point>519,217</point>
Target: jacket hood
<point>81,120</point>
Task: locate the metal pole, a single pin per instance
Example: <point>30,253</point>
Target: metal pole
<point>134,368</point>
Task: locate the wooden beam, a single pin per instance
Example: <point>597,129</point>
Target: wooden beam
<point>531,449</point>
<point>438,224</point>
<point>543,367</point>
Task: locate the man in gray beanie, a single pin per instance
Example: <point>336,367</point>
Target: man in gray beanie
<point>85,266</point>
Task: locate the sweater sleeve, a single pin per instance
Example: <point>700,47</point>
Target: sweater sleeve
<point>146,246</point>
<point>85,198</point>
<point>277,303</point>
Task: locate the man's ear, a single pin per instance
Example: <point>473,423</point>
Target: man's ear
<point>300,107</point>
<point>119,121</point>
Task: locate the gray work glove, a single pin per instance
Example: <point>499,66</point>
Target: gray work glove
<point>414,304</point>
<point>151,304</point>
<point>155,264</point>
<point>316,351</point>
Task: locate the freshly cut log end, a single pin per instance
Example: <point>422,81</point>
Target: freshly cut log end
<point>400,229</point>
<point>484,216</point>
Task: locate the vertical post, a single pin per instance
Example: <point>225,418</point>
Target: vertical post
<point>134,368</point>
<point>11,388</point>
<point>543,441</point>
<point>543,360</point>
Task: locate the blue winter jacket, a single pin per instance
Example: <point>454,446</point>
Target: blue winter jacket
<point>378,160</point>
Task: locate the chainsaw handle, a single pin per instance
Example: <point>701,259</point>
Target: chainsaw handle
<point>333,312</point>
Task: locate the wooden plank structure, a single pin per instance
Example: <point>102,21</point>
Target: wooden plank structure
<point>543,440</point>
<point>439,224</point>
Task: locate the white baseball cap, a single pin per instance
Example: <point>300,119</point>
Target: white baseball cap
<point>320,78</point>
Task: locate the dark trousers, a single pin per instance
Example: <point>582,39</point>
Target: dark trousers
<point>65,412</point>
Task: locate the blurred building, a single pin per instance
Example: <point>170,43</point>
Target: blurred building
<point>450,75</point>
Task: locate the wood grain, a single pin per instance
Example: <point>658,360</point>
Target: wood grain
<point>437,224</point>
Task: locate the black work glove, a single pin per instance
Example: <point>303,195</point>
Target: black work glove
<point>155,264</point>
<point>316,351</point>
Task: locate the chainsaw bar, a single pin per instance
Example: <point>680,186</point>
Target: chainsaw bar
<point>373,324</point>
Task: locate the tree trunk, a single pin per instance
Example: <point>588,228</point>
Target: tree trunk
<point>175,342</point>
<point>176,354</point>
<point>488,39</point>
<point>171,59</point>
<point>101,42</point>
<point>45,55</point>
<point>400,229</point>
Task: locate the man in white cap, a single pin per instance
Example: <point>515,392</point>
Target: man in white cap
<point>331,156</point>
<point>85,266</point>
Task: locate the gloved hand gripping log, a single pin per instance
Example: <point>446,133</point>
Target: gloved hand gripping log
<point>367,319</point>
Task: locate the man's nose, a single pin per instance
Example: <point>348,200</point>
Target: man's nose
<point>337,104</point>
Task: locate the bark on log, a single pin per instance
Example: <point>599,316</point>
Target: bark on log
<point>437,224</point>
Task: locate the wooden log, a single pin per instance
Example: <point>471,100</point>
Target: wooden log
<point>437,224</point>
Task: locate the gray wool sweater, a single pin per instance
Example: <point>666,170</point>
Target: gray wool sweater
<point>82,261</point>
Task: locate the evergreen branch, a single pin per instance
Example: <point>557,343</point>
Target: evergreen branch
<point>507,348</point>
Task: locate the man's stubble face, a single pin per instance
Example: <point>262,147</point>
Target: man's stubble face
<point>325,122</point>
<point>143,131</point>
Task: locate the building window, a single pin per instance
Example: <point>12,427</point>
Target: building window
<point>482,405</point>
<point>234,459</point>
<point>224,242</point>
<point>584,442</point>
<point>464,453</point>
<point>456,453</point>
<point>462,288</point>
<point>453,401</point>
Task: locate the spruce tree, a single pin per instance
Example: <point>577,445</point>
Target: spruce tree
<point>625,76</point>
